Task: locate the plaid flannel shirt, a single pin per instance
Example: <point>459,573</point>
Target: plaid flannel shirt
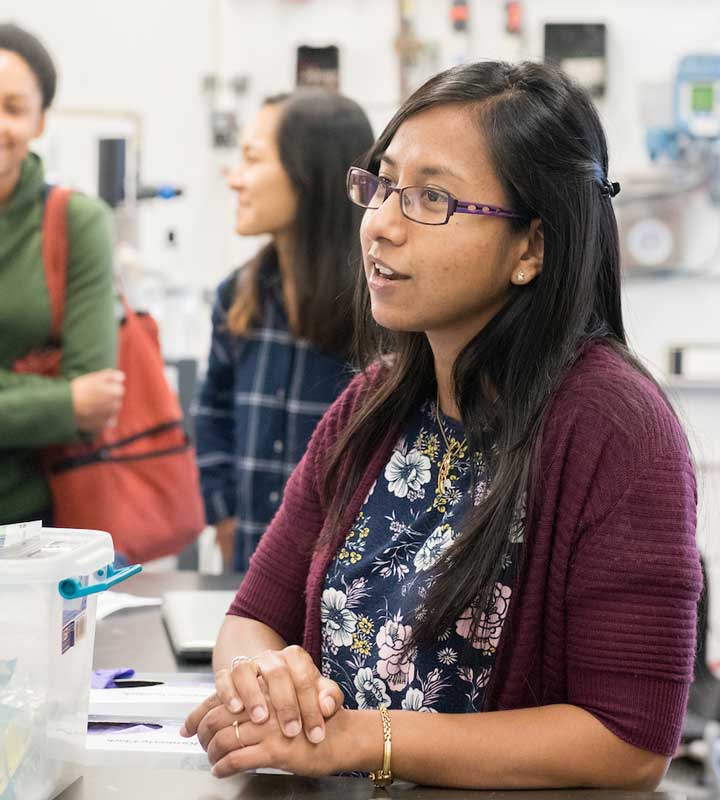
<point>262,396</point>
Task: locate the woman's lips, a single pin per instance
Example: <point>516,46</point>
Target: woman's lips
<point>383,277</point>
<point>385,270</point>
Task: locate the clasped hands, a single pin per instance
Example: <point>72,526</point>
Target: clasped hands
<point>273,710</point>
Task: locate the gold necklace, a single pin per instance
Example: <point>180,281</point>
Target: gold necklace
<point>452,451</point>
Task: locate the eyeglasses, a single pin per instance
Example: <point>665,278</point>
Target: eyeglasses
<point>422,204</point>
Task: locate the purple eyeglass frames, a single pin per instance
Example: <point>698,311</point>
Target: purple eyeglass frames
<point>423,204</point>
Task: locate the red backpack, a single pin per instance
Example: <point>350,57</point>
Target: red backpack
<point>139,479</point>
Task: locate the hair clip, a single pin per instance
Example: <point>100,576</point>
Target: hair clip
<point>609,188</point>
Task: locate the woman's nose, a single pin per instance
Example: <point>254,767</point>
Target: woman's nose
<point>387,222</point>
<point>4,123</point>
<point>234,177</point>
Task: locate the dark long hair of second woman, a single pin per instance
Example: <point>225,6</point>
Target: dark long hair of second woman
<point>320,134</point>
<point>549,151</point>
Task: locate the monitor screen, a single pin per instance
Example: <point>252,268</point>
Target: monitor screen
<point>702,97</point>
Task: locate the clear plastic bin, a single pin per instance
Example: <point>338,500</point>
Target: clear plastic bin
<point>48,587</point>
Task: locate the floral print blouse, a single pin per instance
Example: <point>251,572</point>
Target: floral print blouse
<point>382,572</point>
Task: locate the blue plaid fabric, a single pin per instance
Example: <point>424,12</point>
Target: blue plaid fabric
<point>258,405</point>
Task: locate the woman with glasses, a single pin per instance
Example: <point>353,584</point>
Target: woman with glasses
<point>46,402</point>
<point>281,329</point>
<point>484,570</point>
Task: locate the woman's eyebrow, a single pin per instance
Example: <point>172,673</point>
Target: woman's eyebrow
<point>430,171</point>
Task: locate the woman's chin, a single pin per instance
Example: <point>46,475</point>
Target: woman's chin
<point>9,163</point>
<point>397,323</point>
<point>247,228</point>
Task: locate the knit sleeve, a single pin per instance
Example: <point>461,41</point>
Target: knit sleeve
<point>632,595</point>
<point>36,411</point>
<point>89,332</point>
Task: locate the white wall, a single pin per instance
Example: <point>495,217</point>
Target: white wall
<point>149,57</point>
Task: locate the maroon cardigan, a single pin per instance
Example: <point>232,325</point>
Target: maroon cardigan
<point>604,613</point>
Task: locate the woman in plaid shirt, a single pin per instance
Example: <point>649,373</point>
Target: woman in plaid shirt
<point>281,328</point>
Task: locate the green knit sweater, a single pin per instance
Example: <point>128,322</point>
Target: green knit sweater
<point>36,411</point>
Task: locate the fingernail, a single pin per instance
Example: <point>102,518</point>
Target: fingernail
<point>183,731</point>
<point>316,735</point>
<point>292,728</point>
<point>235,706</point>
<point>213,771</point>
<point>258,714</point>
<point>328,705</point>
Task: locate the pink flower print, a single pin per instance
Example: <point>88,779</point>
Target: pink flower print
<point>395,665</point>
<point>490,623</point>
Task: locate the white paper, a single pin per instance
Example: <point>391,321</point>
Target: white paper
<point>173,699</point>
<point>110,602</point>
<point>149,745</point>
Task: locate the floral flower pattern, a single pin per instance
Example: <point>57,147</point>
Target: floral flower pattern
<point>371,691</point>
<point>395,663</point>
<point>376,586</point>
<point>337,619</point>
<point>438,541</point>
<point>486,635</point>
<point>414,701</point>
<point>407,472</point>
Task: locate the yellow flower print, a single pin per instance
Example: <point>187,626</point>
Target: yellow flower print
<point>360,645</point>
<point>365,625</point>
<point>428,444</point>
<point>354,546</point>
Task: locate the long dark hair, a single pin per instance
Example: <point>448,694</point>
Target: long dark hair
<point>549,151</point>
<point>320,134</point>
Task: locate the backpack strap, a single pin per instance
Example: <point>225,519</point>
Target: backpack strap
<point>55,252</point>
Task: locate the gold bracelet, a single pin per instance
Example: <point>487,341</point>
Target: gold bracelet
<point>383,777</point>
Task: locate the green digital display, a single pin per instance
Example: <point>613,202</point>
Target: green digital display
<point>703,97</point>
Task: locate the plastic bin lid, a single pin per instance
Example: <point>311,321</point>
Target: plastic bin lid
<point>63,553</point>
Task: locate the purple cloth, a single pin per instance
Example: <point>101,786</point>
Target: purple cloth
<point>105,678</point>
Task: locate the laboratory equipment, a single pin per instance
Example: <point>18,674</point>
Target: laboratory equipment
<point>669,217</point>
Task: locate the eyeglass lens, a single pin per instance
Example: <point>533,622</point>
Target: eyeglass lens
<point>419,203</point>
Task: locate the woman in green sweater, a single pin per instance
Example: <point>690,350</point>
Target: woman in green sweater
<point>37,411</point>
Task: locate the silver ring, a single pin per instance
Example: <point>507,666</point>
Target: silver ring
<point>238,660</point>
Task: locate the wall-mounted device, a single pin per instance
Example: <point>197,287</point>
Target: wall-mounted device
<point>318,67</point>
<point>579,49</point>
<point>112,176</point>
<point>695,133</point>
<point>669,219</point>
<point>223,98</point>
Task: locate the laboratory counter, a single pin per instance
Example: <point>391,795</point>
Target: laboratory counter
<point>141,632</point>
